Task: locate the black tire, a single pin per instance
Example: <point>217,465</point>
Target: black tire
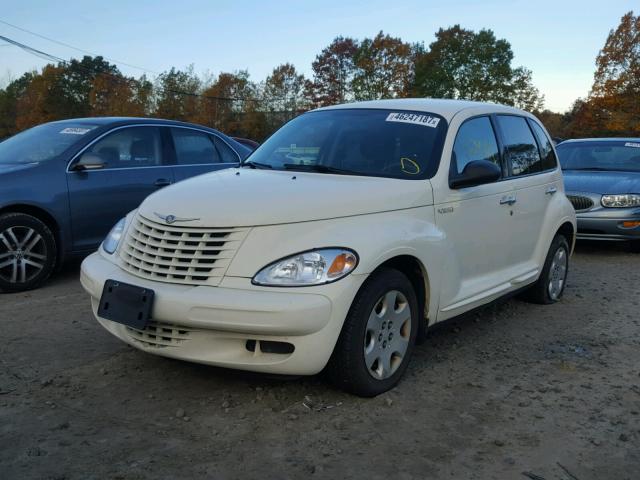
<point>634,246</point>
<point>539,292</point>
<point>347,368</point>
<point>20,269</point>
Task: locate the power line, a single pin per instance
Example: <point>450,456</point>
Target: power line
<point>50,57</point>
<point>76,48</point>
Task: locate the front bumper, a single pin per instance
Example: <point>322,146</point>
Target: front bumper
<point>225,325</point>
<point>607,227</point>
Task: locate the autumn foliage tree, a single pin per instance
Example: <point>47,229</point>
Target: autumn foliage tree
<point>333,70</point>
<point>472,65</point>
<point>615,95</point>
<point>383,68</point>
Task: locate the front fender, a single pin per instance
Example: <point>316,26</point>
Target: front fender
<point>375,237</point>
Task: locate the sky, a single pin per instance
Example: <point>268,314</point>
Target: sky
<point>558,40</point>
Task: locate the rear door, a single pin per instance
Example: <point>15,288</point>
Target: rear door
<point>134,167</point>
<point>196,152</point>
<point>533,182</point>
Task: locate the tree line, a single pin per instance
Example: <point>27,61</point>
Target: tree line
<point>460,63</point>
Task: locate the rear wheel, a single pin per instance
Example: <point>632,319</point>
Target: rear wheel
<point>27,252</point>
<point>378,336</point>
<point>553,279</point>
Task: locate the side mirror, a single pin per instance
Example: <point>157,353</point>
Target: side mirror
<point>89,161</point>
<point>477,172</point>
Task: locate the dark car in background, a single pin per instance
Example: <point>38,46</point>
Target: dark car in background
<point>64,184</point>
<point>602,181</point>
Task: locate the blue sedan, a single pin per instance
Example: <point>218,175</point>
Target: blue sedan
<point>64,184</point>
<point>602,180</point>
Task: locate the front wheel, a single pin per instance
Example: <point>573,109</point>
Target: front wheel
<point>27,252</point>
<point>553,279</point>
<point>378,336</point>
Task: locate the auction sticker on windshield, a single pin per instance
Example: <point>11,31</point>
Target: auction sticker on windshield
<point>75,130</point>
<point>415,118</point>
<point>632,144</point>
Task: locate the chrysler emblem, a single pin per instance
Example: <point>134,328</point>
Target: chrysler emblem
<point>169,219</point>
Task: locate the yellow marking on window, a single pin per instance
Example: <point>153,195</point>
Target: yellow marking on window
<point>411,169</point>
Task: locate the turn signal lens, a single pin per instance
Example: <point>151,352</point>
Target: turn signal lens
<point>341,264</point>
<point>630,224</point>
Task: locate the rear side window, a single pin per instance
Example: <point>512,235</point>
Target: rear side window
<point>193,147</point>
<point>521,148</point>
<point>475,140</point>
<point>549,161</point>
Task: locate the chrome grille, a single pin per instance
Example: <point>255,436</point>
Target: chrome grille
<point>159,334</point>
<point>176,254</point>
<point>579,202</point>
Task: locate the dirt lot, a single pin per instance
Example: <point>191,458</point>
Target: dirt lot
<point>550,391</point>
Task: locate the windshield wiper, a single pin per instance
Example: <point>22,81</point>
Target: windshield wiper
<point>319,168</point>
<point>252,164</point>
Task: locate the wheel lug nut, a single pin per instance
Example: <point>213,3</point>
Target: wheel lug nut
<point>384,325</point>
<point>390,325</point>
<point>384,344</point>
<point>380,337</point>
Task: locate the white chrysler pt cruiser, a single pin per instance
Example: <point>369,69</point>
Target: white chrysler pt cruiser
<point>340,240</point>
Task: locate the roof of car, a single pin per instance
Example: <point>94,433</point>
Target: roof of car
<point>444,107</point>
<point>101,121</point>
<point>105,123</point>
<point>606,139</point>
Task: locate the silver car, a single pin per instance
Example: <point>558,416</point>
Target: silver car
<point>602,181</point>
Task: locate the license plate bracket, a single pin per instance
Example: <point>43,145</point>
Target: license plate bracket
<point>126,304</point>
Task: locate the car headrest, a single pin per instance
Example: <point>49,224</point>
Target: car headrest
<point>141,150</point>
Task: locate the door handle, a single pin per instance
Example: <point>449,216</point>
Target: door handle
<point>508,200</point>
<point>162,182</point>
<point>551,190</point>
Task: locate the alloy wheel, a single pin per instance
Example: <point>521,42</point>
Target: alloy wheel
<point>23,254</point>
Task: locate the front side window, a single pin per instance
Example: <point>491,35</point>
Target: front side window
<point>522,153</point>
<point>546,149</point>
<point>193,147</point>
<point>475,140</point>
<point>600,155</point>
<point>382,143</point>
<point>131,147</point>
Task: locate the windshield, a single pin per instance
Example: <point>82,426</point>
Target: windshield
<point>386,143</point>
<point>615,156</point>
<point>41,143</point>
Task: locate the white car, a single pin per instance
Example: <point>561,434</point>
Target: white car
<point>337,244</point>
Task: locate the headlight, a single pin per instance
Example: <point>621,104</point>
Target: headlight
<point>113,239</point>
<point>621,201</point>
<point>314,267</point>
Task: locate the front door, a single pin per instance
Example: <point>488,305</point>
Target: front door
<point>128,165</point>
<point>477,224</point>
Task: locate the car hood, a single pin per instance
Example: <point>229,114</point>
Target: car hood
<point>14,167</point>
<point>246,197</point>
<point>601,182</point>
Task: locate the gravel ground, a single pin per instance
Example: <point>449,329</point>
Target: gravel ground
<point>513,391</point>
